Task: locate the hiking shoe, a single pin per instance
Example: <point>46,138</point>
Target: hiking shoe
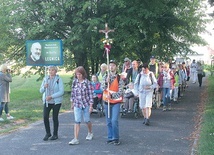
<point>144,120</point>
<point>110,142</point>
<point>147,122</point>
<point>164,108</point>
<point>89,136</point>
<point>1,119</point>
<point>74,142</point>
<point>94,110</point>
<point>54,137</point>
<point>116,142</point>
<point>125,110</point>
<point>10,117</point>
<point>46,137</point>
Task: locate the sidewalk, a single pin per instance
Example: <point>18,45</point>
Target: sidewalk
<point>168,134</point>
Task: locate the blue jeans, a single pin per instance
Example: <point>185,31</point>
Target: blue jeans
<point>4,105</point>
<point>166,96</point>
<point>112,121</point>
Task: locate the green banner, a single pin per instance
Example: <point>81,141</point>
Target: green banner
<point>44,52</point>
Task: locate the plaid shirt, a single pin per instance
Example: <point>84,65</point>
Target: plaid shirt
<point>81,93</point>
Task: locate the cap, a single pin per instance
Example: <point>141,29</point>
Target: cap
<point>126,59</point>
<point>113,61</point>
<point>152,57</point>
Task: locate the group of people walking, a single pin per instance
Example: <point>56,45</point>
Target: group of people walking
<point>83,94</point>
<point>170,80</point>
<point>143,80</point>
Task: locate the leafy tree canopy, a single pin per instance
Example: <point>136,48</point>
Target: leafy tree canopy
<point>142,28</point>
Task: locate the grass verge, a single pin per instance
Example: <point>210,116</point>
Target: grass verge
<point>206,140</point>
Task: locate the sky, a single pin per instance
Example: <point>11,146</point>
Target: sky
<point>208,37</point>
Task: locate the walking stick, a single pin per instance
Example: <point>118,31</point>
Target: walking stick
<point>107,47</point>
<point>46,89</point>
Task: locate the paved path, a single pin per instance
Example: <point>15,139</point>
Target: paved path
<point>169,134</point>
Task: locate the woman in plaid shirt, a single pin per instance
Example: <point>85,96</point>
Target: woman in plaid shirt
<point>82,100</point>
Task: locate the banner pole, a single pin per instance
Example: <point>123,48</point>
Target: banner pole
<point>46,89</point>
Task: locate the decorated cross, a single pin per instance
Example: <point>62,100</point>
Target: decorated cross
<point>107,47</point>
<point>107,41</point>
<point>106,31</point>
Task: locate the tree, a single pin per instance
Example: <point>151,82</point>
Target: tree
<point>211,2</point>
<point>140,25</point>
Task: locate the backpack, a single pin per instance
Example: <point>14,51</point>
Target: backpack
<point>150,75</point>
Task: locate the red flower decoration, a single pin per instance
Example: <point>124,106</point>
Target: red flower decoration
<point>107,48</point>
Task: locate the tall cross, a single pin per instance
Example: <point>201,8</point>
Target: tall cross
<point>107,50</point>
<point>106,31</point>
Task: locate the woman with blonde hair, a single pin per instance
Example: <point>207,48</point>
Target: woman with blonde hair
<point>102,73</point>
<point>53,90</point>
<point>5,79</point>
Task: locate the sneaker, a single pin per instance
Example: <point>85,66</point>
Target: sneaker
<point>94,110</point>
<point>10,117</point>
<point>164,108</point>
<point>144,120</point>
<point>161,103</point>
<point>116,142</point>
<point>54,137</point>
<point>89,136</point>
<point>110,142</point>
<point>1,119</point>
<point>74,142</point>
<point>125,110</point>
<point>147,122</point>
<point>46,137</point>
<point>129,111</point>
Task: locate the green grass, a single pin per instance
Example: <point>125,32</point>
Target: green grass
<point>206,140</point>
<point>26,102</point>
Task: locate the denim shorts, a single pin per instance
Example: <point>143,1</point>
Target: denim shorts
<point>78,114</point>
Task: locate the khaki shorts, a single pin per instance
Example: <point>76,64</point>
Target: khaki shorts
<point>145,99</point>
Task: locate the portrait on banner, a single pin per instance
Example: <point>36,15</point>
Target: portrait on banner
<point>44,53</point>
